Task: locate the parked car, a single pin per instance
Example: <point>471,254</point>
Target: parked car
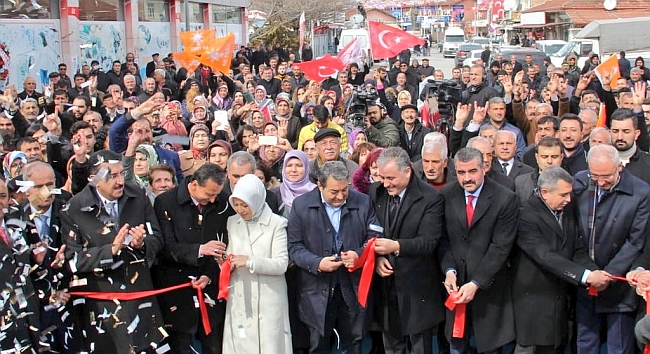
<point>520,52</point>
<point>481,40</point>
<point>550,46</point>
<point>463,51</point>
<point>473,57</point>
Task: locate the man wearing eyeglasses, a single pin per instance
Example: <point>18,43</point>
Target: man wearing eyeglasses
<point>112,238</point>
<point>613,210</point>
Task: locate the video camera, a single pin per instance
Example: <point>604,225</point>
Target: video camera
<point>356,112</point>
<point>447,93</point>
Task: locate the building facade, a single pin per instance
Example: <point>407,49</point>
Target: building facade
<point>37,35</point>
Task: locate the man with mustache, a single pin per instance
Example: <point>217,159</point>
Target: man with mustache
<point>481,226</point>
<point>104,228</point>
<point>328,144</point>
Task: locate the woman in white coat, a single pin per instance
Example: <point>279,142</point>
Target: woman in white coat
<point>257,312</point>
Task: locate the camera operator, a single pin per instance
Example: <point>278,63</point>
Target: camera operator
<point>380,131</point>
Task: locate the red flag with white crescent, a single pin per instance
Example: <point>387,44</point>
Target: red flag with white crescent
<point>387,41</point>
<point>322,68</point>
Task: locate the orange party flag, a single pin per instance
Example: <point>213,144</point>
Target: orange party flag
<point>196,42</point>
<point>608,68</point>
<point>602,117</point>
<point>188,60</point>
<point>218,55</point>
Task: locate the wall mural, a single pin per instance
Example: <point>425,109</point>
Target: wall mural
<point>28,48</point>
<point>103,41</point>
<point>153,37</point>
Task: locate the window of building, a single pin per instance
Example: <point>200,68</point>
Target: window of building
<point>153,11</point>
<point>196,14</point>
<point>101,10</point>
<point>37,9</point>
<point>226,14</point>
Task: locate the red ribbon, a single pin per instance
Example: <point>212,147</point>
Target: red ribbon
<point>367,261</point>
<point>458,330</point>
<point>110,296</point>
<point>224,279</point>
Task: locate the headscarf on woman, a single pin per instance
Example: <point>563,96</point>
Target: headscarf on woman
<point>304,109</point>
<point>352,136</point>
<point>266,158</point>
<point>265,105</point>
<point>222,103</point>
<point>250,190</point>
<point>290,190</point>
<point>198,154</point>
<point>152,160</point>
<point>9,159</point>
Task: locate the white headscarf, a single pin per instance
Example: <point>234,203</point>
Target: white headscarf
<point>251,191</point>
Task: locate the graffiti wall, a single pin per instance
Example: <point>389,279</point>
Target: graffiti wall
<point>103,41</point>
<point>29,48</point>
<point>154,37</point>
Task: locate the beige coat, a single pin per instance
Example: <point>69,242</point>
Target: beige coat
<point>257,312</point>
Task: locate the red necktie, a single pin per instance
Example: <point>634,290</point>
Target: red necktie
<point>469,209</point>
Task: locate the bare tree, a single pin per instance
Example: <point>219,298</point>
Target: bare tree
<point>284,14</point>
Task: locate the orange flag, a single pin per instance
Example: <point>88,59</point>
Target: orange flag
<point>602,117</point>
<point>608,68</point>
<point>218,55</point>
<point>188,60</point>
<point>196,42</point>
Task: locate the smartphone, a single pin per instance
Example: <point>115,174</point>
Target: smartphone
<point>222,118</point>
<point>269,140</point>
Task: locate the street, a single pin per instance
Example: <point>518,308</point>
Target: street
<point>435,59</point>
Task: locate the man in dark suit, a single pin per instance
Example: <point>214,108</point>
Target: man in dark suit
<point>16,326</point>
<point>41,214</point>
<point>193,224</point>
<point>328,229</point>
<point>550,257</point>
<point>481,225</point>
<point>506,162</point>
<point>484,146</point>
<point>613,209</point>
<point>625,133</point>
<point>105,227</point>
<point>151,66</point>
<point>411,213</point>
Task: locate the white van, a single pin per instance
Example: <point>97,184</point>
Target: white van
<point>361,34</point>
<point>454,36</point>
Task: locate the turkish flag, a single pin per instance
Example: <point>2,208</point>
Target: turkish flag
<point>387,41</point>
<point>321,69</point>
<point>218,55</point>
<point>497,9</point>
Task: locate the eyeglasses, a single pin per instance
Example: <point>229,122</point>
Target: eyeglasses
<point>601,177</point>
<point>116,175</point>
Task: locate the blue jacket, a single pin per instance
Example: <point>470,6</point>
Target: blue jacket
<point>621,233</point>
<point>119,140</point>
<point>311,238</point>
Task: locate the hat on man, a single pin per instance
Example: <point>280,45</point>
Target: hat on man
<point>322,133</point>
<point>407,106</point>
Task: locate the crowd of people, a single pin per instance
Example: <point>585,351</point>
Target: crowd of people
<point>234,212</point>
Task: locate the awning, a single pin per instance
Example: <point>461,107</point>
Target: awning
<point>541,26</point>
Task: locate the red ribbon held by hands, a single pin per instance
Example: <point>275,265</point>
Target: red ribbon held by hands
<point>367,261</point>
<point>458,330</point>
<point>110,296</point>
<point>224,279</point>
